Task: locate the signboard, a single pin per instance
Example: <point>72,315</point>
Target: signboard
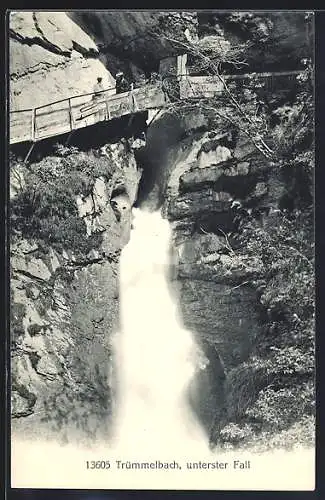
<point>200,86</point>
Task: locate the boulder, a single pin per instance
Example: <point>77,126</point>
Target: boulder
<point>21,406</point>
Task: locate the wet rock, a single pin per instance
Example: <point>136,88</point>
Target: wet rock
<point>32,267</point>
<point>207,386</point>
<point>48,366</point>
<point>213,157</point>
<point>199,246</point>
<point>198,202</point>
<point>206,307</point>
<point>21,406</point>
<point>197,178</point>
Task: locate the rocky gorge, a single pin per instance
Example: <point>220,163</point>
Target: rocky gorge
<point>230,210</point>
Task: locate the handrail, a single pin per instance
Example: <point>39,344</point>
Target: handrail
<point>62,100</point>
<point>262,75</point>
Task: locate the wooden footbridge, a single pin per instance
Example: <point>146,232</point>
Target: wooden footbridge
<point>81,111</point>
<point>73,113</point>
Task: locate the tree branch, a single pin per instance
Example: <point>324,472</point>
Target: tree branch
<point>214,68</point>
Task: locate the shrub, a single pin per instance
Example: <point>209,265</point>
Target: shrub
<point>45,209</point>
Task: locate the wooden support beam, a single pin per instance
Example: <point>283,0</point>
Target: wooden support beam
<point>29,152</point>
<point>131,101</point>
<point>69,137</point>
<point>153,118</point>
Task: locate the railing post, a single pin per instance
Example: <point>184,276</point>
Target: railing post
<point>181,70</point>
<point>33,124</point>
<point>107,107</point>
<point>70,114</point>
<point>131,101</point>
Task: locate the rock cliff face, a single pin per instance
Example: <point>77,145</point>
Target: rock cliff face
<point>139,39</point>
<point>51,58</point>
<point>64,283</point>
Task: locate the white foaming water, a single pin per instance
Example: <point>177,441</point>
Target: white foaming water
<point>156,356</point>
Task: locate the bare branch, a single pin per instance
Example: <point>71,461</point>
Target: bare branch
<point>212,63</point>
<point>228,246</point>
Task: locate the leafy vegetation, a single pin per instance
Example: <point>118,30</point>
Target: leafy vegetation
<point>45,208</point>
<point>270,397</point>
<point>273,391</point>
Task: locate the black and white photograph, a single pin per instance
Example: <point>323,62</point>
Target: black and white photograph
<point>161,227</point>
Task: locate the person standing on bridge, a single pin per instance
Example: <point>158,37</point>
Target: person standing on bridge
<point>155,78</point>
<point>99,97</point>
<point>122,85</point>
<point>98,89</point>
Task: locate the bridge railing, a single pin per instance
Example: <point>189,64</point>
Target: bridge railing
<point>81,111</point>
<point>208,86</point>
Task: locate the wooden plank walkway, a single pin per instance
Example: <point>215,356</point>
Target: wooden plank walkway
<point>81,111</point>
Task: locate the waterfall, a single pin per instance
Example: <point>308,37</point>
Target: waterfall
<point>156,359</point>
<point>155,356</point>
